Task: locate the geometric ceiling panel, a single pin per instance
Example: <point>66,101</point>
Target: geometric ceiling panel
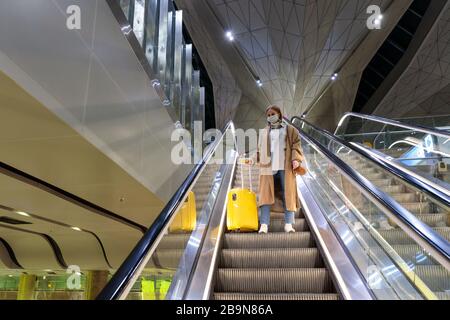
<point>295,46</point>
<point>423,87</point>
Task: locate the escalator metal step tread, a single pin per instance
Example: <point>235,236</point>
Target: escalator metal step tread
<point>166,258</point>
<point>277,225</point>
<point>274,296</point>
<point>436,277</point>
<point>271,258</point>
<point>303,280</point>
<point>403,197</point>
<point>174,241</point>
<point>435,219</point>
<point>410,253</point>
<point>393,189</point>
<point>443,295</point>
<point>398,236</point>
<point>270,240</point>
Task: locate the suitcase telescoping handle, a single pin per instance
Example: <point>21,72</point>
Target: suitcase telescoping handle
<point>249,175</point>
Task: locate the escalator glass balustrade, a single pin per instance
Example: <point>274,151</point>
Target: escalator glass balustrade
<point>387,253</point>
<point>422,150</point>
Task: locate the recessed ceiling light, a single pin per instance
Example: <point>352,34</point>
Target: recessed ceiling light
<point>75,228</point>
<point>259,83</point>
<point>380,17</point>
<point>229,35</point>
<point>22,213</point>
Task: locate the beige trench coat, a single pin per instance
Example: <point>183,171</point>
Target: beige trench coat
<point>293,151</point>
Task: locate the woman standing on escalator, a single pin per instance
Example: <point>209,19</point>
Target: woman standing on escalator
<point>279,155</point>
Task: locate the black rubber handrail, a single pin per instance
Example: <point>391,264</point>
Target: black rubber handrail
<point>130,266</point>
<point>421,184</point>
<point>440,245</point>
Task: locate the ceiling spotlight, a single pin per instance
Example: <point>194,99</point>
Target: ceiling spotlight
<point>380,17</point>
<point>75,228</point>
<point>377,21</point>
<point>334,76</point>
<point>229,35</point>
<point>259,83</point>
<point>22,213</point>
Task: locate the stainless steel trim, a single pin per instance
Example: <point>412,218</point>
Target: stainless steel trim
<point>350,283</point>
<point>140,267</point>
<point>201,284</point>
<point>181,279</point>
<point>440,133</point>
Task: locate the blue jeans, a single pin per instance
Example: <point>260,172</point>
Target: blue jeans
<point>265,210</point>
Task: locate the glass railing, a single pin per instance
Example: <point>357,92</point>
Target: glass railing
<point>424,151</point>
<point>395,262</point>
<point>160,265</point>
<point>441,122</point>
<point>430,209</point>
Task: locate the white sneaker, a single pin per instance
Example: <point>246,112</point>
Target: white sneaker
<point>263,228</point>
<point>288,228</point>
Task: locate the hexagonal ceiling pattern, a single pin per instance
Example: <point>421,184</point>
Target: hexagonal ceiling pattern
<point>295,46</point>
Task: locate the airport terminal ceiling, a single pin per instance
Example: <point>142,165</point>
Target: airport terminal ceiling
<point>296,47</point>
<point>102,103</point>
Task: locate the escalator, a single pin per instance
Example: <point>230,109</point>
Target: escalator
<point>362,233</point>
<point>425,151</point>
<point>427,205</point>
<point>273,266</point>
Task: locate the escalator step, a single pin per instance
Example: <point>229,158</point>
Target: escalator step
<point>417,207</point>
<point>404,197</point>
<point>393,189</point>
<point>275,296</point>
<point>174,241</point>
<point>165,258</point>
<point>435,219</point>
<point>271,258</point>
<point>398,236</point>
<point>410,253</point>
<point>315,280</point>
<point>436,277</point>
<point>443,295</point>
<point>270,240</point>
<point>277,225</point>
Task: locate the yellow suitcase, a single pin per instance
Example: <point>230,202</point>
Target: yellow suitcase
<point>186,218</point>
<point>242,210</point>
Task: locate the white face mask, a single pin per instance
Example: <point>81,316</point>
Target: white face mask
<point>273,119</point>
